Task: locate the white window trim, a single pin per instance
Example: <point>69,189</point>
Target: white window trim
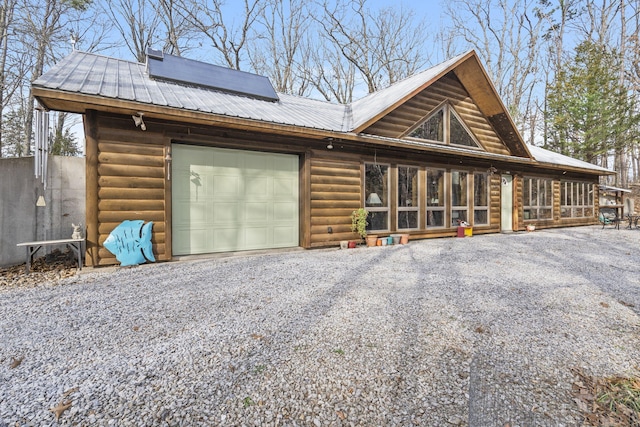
<point>573,206</point>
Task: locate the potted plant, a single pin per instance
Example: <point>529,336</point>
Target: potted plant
<point>359,225</point>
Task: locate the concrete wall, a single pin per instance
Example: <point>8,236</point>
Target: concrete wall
<point>22,221</point>
<point>635,196</point>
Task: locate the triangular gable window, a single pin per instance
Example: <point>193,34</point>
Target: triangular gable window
<point>445,126</point>
<point>432,128</point>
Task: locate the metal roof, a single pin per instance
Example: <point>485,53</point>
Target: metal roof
<point>91,74</point>
<point>545,156</point>
<point>376,103</point>
<point>96,75</point>
<point>610,188</point>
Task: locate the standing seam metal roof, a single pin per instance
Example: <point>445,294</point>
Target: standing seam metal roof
<point>88,73</point>
<point>378,102</point>
<point>92,74</point>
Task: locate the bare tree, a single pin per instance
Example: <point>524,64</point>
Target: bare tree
<point>446,42</point>
<point>332,75</point>
<point>384,46</point>
<point>6,87</point>
<point>228,39</point>
<point>598,23</point>
<point>89,31</point>
<point>632,67</point>
<point>137,22</point>
<point>43,30</point>
<point>507,36</point>
<point>557,19</point>
<point>282,52</point>
<point>178,31</point>
<point>401,43</point>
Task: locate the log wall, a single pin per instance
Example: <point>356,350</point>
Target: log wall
<point>397,122</point>
<point>495,203</point>
<point>336,191</point>
<point>127,178</point>
<point>131,185</point>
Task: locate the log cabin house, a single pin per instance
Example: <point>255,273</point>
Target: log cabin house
<point>220,162</point>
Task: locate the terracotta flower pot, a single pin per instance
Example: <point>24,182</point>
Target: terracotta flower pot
<point>404,239</point>
<point>371,240</point>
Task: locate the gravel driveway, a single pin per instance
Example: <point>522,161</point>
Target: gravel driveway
<point>480,331</point>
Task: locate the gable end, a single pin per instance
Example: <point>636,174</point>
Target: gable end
<point>416,110</point>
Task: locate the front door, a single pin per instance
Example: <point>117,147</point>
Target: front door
<point>506,203</point>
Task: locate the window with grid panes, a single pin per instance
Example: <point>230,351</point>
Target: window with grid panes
<point>538,198</point>
<point>576,199</point>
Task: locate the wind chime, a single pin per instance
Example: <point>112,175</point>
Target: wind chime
<point>41,150</point>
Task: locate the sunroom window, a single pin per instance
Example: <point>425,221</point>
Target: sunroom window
<point>576,199</point>
<point>538,198</point>
<point>446,126</point>
<point>480,199</point>
<point>459,198</point>
<point>376,193</point>
<point>435,198</point>
<point>407,198</point>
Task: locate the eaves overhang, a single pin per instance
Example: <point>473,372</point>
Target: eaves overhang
<point>464,153</point>
<point>72,102</point>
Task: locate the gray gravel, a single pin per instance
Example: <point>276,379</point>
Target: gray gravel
<point>480,331</point>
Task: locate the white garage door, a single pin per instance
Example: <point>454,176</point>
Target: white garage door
<point>230,200</point>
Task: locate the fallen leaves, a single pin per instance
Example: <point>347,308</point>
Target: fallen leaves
<point>613,401</point>
<point>70,391</point>
<point>60,408</point>
<point>481,329</point>
<point>626,304</point>
<point>64,404</point>
<point>15,362</point>
<point>47,269</point>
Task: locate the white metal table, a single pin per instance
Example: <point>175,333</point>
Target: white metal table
<point>76,245</point>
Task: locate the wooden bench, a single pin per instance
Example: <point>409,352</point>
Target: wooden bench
<point>76,245</point>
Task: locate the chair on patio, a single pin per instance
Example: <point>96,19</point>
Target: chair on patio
<point>632,221</point>
<point>609,217</point>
